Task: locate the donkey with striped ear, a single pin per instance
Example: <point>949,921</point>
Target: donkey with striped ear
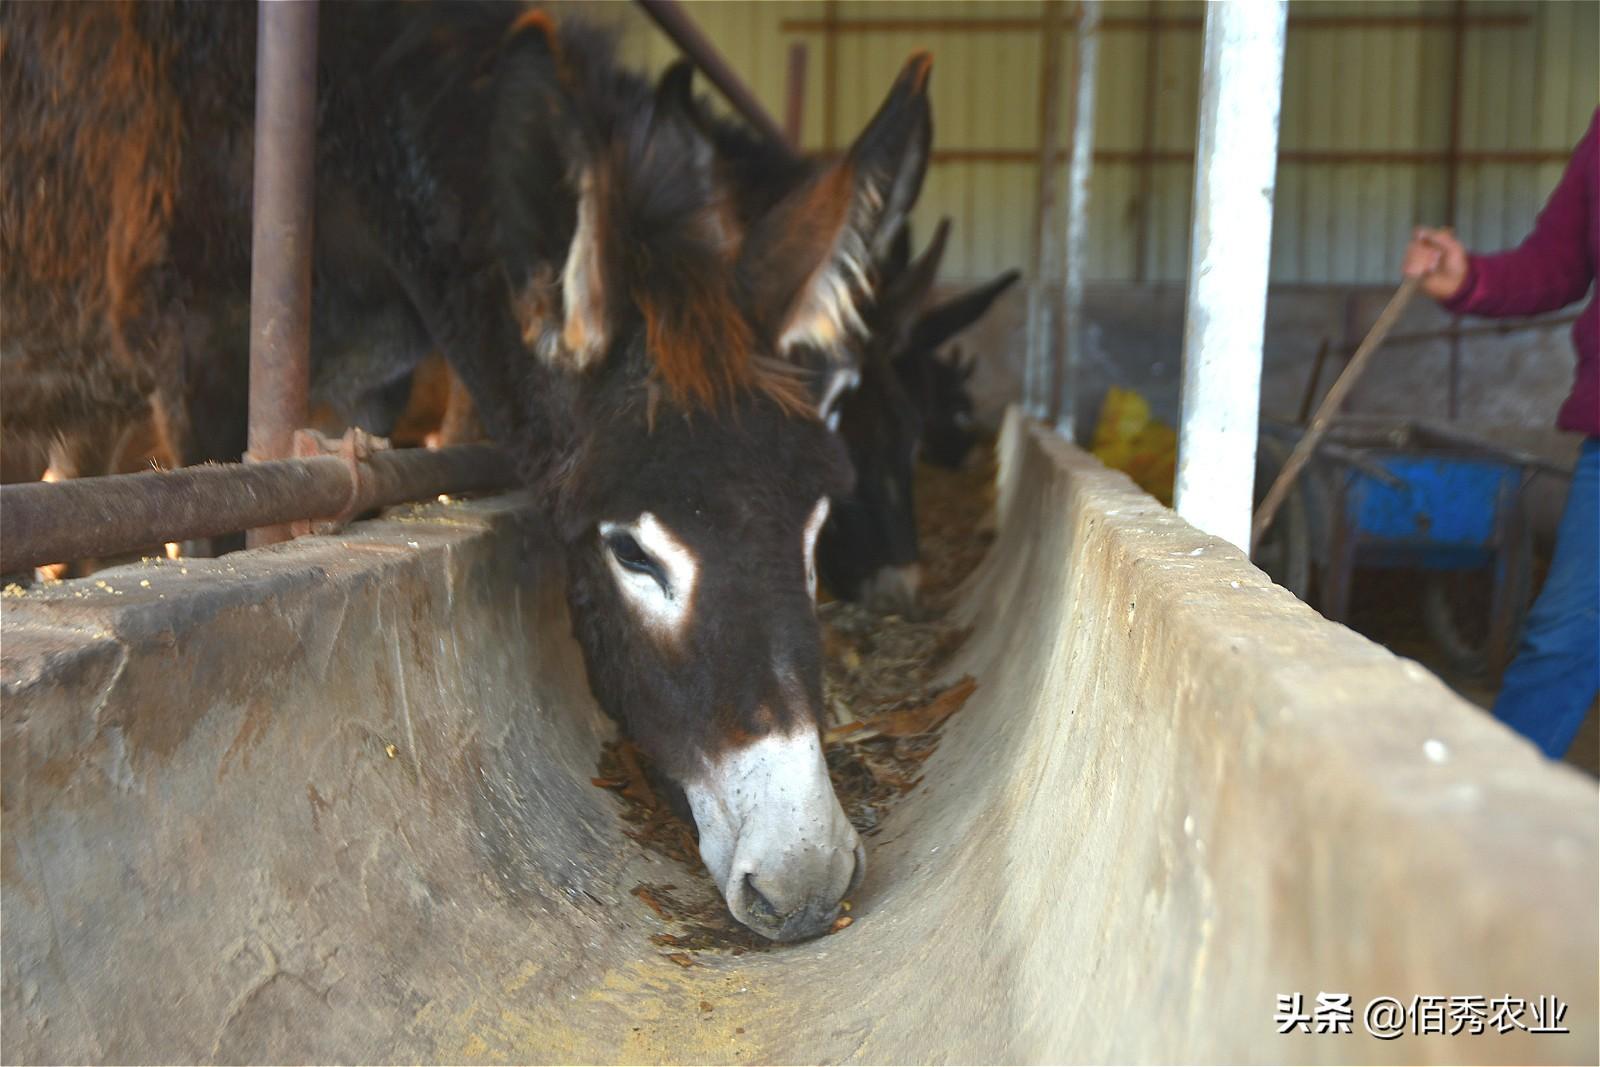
<point>868,551</point>
<point>695,466</point>
<point>868,547</point>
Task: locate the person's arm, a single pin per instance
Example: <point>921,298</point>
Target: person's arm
<point>1550,269</point>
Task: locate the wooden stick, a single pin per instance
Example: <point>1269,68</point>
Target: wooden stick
<point>1329,408</point>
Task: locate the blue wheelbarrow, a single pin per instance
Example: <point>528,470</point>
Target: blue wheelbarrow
<point>1385,493</point>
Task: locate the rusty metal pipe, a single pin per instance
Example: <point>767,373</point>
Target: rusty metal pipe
<point>83,518</point>
<point>677,24</point>
<point>280,248</point>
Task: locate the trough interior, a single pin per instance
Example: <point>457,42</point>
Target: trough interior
<point>331,801</point>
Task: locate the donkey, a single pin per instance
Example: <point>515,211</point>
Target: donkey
<point>908,405</point>
<point>868,550</point>
<point>938,387</point>
<point>868,547</point>
<point>701,477</point>
<point>504,193</point>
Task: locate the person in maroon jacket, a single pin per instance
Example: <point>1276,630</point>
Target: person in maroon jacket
<point>1551,684</point>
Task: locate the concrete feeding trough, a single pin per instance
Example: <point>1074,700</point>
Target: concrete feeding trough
<point>331,801</point>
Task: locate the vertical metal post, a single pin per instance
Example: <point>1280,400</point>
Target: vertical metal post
<point>1043,295</point>
<point>1231,245</point>
<point>1072,328</point>
<point>1033,356</point>
<point>1452,178</point>
<point>1452,149</point>
<point>281,235</point>
<point>794,94</point>
<point>1147,144</point>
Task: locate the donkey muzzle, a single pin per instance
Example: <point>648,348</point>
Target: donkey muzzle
<point>894,589</point>
<point>773,835</point>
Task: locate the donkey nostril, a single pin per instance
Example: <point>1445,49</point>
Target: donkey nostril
<point>757,903</point>
<point>860,870</point>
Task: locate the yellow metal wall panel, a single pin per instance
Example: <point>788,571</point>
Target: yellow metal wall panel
<point>1352,86</point>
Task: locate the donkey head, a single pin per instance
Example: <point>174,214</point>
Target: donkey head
<point>938,387</point>
<point>868,549</point>
<point>695,469</point>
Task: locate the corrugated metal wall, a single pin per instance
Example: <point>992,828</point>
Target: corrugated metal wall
<point>1366,121</point>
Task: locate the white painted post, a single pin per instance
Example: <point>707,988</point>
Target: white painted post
<point>1236,162</point>
<point>1079,166</point>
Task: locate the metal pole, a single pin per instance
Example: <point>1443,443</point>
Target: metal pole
<point>1231,245</point>
<point>1072,326</point>
<point>677,24</point>
<point>82,518</point>
<point>1147,144</point>
<point>280,249</point>
<point>1033,354</point>
<point>1042,293</point>
<point>1452,177</point>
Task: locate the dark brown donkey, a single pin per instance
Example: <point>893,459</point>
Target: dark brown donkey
<point>503,193</point>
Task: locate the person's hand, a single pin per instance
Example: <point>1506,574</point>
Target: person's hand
<point>1438,259</point>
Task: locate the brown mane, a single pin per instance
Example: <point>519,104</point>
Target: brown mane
<point>703,349</point>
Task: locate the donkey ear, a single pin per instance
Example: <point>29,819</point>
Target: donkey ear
<point>893,150</point>
<point>534,132</point>
<point>804,264</point>
<point>677,84</point>
<point>675,95</point>
<point>955,361</point>
<point>899,257</point>
<point>681,120</point>
<point>901,296</point>
<point>615,205</point>
<point>583,282</point>
<point>966,366</point>
<point>946,320</point>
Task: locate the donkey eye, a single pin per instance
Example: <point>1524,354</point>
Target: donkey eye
<point>627,551</point>
<point>655,572</point>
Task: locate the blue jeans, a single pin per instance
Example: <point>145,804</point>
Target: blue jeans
<point>1548,688</point>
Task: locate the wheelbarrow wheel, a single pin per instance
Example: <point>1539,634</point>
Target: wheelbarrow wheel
<point>1447,599</point>
<point>1285,548</point>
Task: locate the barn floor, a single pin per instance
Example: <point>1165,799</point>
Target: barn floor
<point>333,801</point>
